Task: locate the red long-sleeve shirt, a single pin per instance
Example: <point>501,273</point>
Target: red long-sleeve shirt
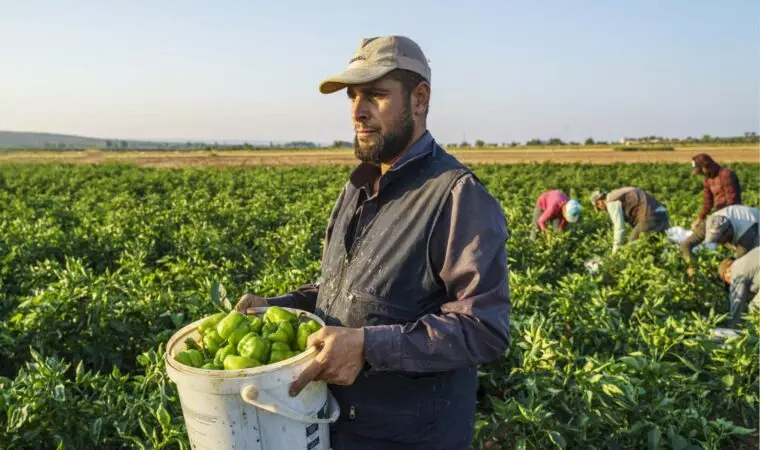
<point>552,202</point>
<point>721,187</point>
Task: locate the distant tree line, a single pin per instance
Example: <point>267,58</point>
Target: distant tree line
<point>122,145</point>
<point>746,138</point>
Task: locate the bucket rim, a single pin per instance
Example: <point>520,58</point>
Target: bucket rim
<point>180,335</point>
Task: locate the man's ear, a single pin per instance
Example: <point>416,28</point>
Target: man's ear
<point>421,99</point>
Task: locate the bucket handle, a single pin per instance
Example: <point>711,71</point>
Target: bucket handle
<point>261,399</point>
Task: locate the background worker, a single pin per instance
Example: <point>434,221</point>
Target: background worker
<point>743,277</point>
<point>633,205</point>
<point>720,189</point>
<point>735,227</point>
<point>556,207</point>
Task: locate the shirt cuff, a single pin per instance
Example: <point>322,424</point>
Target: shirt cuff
<point>286,301</point>
<point>382,346</point>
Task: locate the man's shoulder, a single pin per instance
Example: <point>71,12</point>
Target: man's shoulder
<point>725,171</point>
<point>615,194</point>
<point>451,161</point>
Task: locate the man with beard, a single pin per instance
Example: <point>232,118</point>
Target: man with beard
<point>414,286</point>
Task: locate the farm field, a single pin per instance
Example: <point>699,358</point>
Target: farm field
<point>274,158</point>
<point>101,263</point>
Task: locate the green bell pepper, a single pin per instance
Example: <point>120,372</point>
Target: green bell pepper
<point>305,329</point>
<point>196,357</point>
<point>256,324</point>
<point>275,314</point>
<point>241,331</point>
<point>233,362</point>
<point>191,344</point>
<point>280,352</point>
<point>183,358</point>
<point>268,329</point>
<point>226,326</point>
<point>280,347</point>
<point>284,333</point>
<point>210,322</point>
<point>209,366</point>
<point>223,353</point>
<point>212,341</point>
<point>255,346</point>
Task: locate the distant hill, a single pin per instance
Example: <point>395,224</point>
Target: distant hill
<point>18,139</point>
<point>53,141</point>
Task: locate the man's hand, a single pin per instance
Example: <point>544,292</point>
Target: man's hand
<point>250,301</point>
<point>339,360</point>
<point>691,271</point>
<point>695,224</point>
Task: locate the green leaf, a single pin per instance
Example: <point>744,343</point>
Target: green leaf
<point>678,442</point>
<point>741,431</point>
<point>557,438</point>
<point>653,438</point>
<point>79,372</point>
<point>163,417</point>
<point>59,393</point>
<point>632,362</point>
<point>35,355</point>
<point>177,319</point>
<point>143,360</point>
<point>95,430</point>
<point>611,389</point>
<point>219,297</point>
<point>143,427</point>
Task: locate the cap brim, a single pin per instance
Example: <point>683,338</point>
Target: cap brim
<point>355,75</point>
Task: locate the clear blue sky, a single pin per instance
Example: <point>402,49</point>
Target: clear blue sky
<point>502,70</point>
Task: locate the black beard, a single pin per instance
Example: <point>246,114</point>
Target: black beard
<point>389,145</point>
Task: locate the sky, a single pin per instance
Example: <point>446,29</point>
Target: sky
<point>501,70</point>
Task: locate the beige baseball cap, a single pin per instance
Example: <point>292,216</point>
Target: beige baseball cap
<point>376,57</point>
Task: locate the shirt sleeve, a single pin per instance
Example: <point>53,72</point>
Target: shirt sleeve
<point>468,251</point>
<point>305,297</point>
<point>707,201</point>
<point>733,190</point>
<point>546,215</point>
<point>615,210</point>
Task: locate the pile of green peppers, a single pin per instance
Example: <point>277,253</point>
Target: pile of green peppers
<point>231,341</point>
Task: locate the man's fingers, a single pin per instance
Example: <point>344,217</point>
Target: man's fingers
<point>316,339</point>
<point>244,303</point>
<point>310,372</point>
<point>241,306</point>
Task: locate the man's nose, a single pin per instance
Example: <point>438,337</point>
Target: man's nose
<point>359,109</point>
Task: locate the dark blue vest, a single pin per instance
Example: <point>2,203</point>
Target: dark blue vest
<point>382,275</point>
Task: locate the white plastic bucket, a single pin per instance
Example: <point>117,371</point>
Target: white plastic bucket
<point>250,409</point>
